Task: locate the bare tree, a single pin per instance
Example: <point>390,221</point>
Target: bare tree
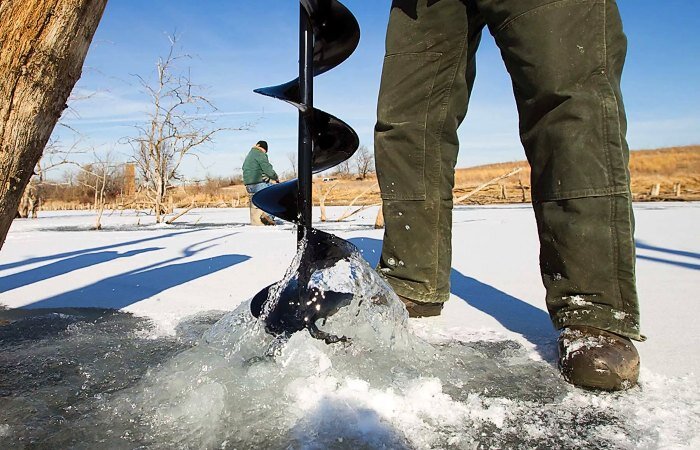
<point>57,152</point>
<point>55,155</point>
<point>29,204</point>
<point>43,44</point>
<point>98,176</point>
<point>292,157</point>
<point>364,161</point>
<point>343,169</point>
<point>179,122</point>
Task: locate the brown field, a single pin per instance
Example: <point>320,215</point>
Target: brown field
<point>668,168</point>
<point>674,172</point>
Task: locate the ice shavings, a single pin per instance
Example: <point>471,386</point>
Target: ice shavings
<point>577,300</point>
<point>619,315</point>
<point>5,430</point>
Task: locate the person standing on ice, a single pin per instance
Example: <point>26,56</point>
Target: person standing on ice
<point>565,60</point>
<point>257,175</point>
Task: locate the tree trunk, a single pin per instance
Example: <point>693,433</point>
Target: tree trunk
<point>43,44</point>
<point>158,206</point>
<point>101,210</point>
<point>98,219</point>
<point>157,209</point>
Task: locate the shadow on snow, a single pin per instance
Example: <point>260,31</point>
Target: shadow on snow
<point>686,265</point>
<point>89,250</point>
<point>127,288</point>
<point>64,266</point>
<point>131,287</point>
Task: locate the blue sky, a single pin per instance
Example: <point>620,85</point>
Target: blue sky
<point>238,46</point>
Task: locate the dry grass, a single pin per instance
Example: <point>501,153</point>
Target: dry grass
<point>666,167</point>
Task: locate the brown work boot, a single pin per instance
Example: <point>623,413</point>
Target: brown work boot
<point>598,359</point>
<point>421,309</point>
<point>267,220</point>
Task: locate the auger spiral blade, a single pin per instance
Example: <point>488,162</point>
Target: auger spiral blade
<point>329,34</point>
<point>299,305</point>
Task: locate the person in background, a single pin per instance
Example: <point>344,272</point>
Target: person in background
<point>565,61</point>
<point>258,174</point>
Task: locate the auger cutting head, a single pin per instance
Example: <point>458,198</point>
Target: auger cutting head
<point>295,302</point>
<point>329,34</point>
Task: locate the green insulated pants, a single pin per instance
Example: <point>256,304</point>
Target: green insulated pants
<point>565,60</point>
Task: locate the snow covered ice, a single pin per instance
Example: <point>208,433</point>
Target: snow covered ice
<point>175,370</point>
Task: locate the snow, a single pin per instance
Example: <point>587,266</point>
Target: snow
<point>212,260</point>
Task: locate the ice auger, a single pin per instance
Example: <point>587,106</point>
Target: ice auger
<point>328,35</point>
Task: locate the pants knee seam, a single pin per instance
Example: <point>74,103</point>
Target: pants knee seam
<point>440,130</point>
<point>616,100</point>
<point>606,112</point>
<point>611,114</point>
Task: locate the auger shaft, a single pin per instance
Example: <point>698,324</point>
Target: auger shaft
<point>306,88</point>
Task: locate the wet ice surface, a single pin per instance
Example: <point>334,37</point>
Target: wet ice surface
<point>57,369</point>
<point>101,379</point>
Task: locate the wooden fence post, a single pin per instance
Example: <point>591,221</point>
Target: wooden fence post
<point>522,190</point>
<point>655,190</point>
<point>379,222</point>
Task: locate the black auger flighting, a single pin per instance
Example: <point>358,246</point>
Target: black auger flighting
<point>328,35</point>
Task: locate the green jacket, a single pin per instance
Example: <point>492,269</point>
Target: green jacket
<point>257,168</point>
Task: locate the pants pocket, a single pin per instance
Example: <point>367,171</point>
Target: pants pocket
<point>402,121</point>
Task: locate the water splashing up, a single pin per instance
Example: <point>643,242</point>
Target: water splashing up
<point>328,277</point>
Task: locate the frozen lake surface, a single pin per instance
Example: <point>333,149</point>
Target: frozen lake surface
<point>177,366</point>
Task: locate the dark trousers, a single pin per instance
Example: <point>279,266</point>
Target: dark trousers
<point>565,59</point>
